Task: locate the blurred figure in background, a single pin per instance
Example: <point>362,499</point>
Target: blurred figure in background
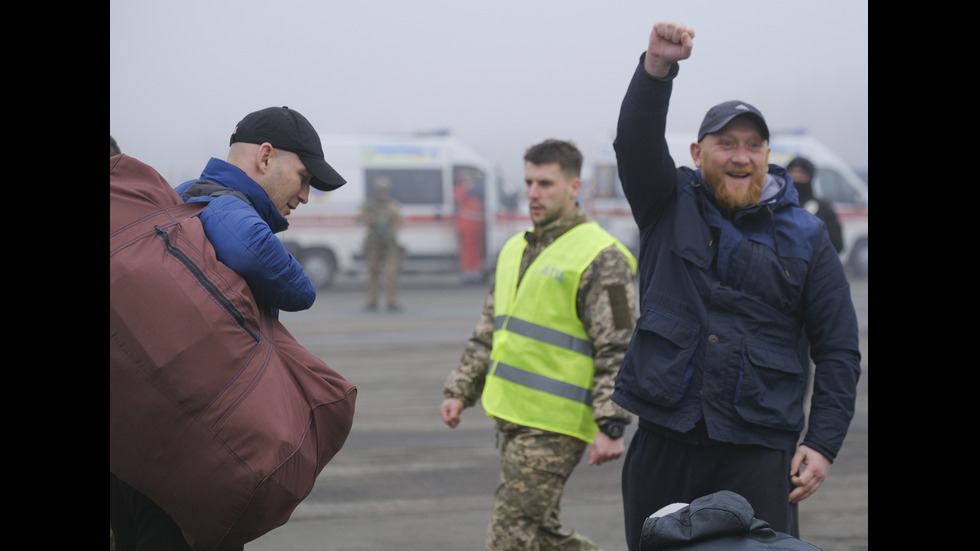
<point>470,226</point>
<point>382,215</point>
<point>802,171</point>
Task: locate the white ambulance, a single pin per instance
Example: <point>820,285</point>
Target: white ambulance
<point>835,181</point>
<point>326,239</point>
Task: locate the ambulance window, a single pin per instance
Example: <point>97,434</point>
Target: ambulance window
<point>834,188</point>
<point>606,182</point>
<point>468,181</point>
<point>409,186</point>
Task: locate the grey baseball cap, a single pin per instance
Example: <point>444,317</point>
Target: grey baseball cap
<point>721,114</point>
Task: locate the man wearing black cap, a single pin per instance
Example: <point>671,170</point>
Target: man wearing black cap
<point>274,158</point>
<point>733,272</point>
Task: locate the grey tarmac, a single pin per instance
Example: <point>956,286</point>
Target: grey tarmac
<point>406,481</point>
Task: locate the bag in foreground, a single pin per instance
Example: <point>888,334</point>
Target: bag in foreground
<point>216,412</point>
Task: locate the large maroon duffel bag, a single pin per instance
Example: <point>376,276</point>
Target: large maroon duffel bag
<point>216,412</point>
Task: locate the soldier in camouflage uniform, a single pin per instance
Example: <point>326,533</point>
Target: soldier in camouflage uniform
<point>536,458</point>
<point>382,215</point>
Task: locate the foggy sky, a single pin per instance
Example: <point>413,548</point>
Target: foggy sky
<point>501,74</point>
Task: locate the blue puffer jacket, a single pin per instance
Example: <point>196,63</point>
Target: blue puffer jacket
<point>725,301</point>
<point>241,223</point>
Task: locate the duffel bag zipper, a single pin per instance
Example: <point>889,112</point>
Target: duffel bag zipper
<point>207,283</point>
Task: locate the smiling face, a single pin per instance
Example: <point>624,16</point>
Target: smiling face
<point>550,192</point>
<point>734,162</point>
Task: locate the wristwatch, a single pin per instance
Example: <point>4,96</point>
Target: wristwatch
<point>613,429</point>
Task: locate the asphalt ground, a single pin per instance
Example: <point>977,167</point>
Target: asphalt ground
<point>406,481</point>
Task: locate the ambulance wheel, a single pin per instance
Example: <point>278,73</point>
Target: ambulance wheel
<point>859,258</point>
<point>320,266</point>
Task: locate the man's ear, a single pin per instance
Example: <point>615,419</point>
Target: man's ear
<point>264,155</point>
<point>696,154</point>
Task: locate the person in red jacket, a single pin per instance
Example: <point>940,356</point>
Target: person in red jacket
<point>470,226</point>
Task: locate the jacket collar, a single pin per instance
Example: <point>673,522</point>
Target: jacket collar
<point>228,175</point>
<point>553,230</point>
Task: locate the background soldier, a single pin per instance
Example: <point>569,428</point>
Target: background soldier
<point>382,215</point>
<point>545,354</point>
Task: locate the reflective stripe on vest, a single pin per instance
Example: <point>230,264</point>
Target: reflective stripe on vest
<point>541,360</point>
<point>542,383</point>
<point>544,334</point>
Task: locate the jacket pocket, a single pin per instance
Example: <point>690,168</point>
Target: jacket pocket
<point>662,350</point>
<point>769,390</point>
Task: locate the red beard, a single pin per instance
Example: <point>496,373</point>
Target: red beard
<point>735,199</point>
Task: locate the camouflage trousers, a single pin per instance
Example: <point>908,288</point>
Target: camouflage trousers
<point>386,258</point>
<point>535,465</point>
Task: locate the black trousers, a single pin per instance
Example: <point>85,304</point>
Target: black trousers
<point>139,524</point>
<point>658,471</point>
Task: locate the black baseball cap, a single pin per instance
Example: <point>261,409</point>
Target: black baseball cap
<point>286,129</point>
<point>721,114</point>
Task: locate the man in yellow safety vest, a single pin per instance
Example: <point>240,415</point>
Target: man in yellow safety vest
<point>545,354</point>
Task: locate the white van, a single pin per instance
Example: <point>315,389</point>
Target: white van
<point>835,181</point>
<point>326,239</point>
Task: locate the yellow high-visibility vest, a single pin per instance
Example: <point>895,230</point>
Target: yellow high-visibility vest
<point>541,363</point>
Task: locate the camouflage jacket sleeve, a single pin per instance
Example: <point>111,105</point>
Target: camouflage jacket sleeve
<point>607,308</point>
<point>466,381</point>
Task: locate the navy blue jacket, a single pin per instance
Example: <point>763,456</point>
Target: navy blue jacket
<point>241,222</point>
<point>724,301</point>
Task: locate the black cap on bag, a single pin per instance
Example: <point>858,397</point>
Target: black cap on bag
<point>286,129</point>
<point>721,114</point>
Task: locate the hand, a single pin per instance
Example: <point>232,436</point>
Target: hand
<point>670,42</point>
<point>815,469</point>
<point>450,410</point>
<point>605,449</point>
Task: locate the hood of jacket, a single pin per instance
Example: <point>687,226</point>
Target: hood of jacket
<point>230,176</point>
<point>757,222</point>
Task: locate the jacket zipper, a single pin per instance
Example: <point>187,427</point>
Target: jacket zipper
<point>772,230</point>
<point>207,283</point>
